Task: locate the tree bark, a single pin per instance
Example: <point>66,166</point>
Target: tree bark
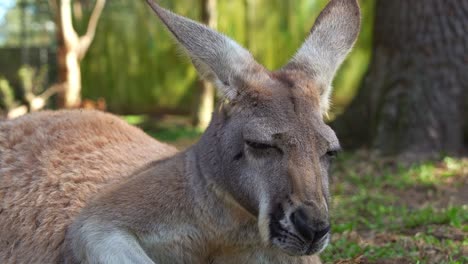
<point>413,100</point>
<point>206,93</point>
<point>71,50</point>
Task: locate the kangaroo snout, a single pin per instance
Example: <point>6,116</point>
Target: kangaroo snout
<point>302,229</point>
<point>308,225</point>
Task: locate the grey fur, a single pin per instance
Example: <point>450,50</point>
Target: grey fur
<point>225,200</point>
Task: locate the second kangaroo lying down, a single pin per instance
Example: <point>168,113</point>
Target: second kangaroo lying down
<point>74,185</point>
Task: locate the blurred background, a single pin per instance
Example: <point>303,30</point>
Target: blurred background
<point>400,104</point>
<point>133,64</point>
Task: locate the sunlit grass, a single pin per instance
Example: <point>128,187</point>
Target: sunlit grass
<point>172,134</point>
<point>135,119</point>
<point>169,129</point>
<point>385,211</point>
<point>395,249</point>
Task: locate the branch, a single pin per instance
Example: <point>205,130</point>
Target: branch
<point>37,102</point>
<point>56,88</point>
<point>86,39</point>
<point>17,111</point>
<point>70,37</point>
<point>34,103</point>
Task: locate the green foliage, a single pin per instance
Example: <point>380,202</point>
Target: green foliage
<point>31,82</point>
<point>7,95</point>
<point>133,62</point>
<point>27,23</point>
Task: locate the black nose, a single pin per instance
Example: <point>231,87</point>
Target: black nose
<point>307,227</point>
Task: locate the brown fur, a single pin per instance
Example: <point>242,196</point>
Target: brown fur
<point>51,165</point>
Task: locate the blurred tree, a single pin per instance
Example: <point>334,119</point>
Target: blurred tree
<point>411,103</point>
<point>26,23</point>
<point>71,50</point>
<point>206,93</point>
<point>33,94</point>
<point>134,63</point>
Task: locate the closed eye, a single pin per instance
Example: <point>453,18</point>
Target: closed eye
<point>332,153</point>
<point>258,145</point>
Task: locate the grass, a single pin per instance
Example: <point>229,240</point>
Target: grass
<point>387,213</point>
<point>382,212</point>
<point>171,129</point>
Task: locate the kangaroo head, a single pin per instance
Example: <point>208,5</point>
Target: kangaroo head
<point>267,145</point>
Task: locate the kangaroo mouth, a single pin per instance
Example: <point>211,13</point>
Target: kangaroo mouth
<point>284,235</point>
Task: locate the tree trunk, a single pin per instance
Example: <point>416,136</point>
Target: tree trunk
<point>70,76</point>
<point>413,99</point>
<point>71,50</point>
<point>206,92</point>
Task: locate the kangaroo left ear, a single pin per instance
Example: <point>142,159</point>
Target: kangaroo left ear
<point>217,58</point>
<point>331,38</point>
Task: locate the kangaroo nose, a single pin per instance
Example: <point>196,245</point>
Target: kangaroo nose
<point>307,227</point>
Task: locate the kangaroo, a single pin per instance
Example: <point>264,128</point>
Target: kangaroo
<point>85,187</point>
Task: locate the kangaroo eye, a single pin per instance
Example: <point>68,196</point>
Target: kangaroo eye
<point>257,145</point>
<point>332,153</point>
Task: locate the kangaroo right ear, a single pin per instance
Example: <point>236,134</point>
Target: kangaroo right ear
<point>330,40</point>
<point>217,58</point>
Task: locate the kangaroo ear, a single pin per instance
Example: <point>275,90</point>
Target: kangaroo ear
<point>330,40</point>
<point>217,58</point>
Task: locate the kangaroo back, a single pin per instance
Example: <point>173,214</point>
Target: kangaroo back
<point>51,166</point>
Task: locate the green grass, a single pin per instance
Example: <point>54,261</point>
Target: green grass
<point>167,129</point>
<point>170,134</point>
<point>401,250</point>
<point>382,212</point>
